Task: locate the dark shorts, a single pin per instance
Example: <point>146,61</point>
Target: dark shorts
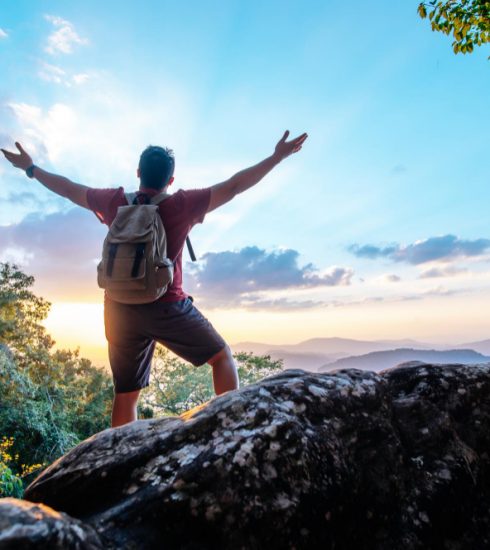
<point>133,330</point>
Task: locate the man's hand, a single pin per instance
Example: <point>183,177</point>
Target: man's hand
<point>21,160</point>
<point>223,192</point>
<point>285,148</point>
<point>58,184</point>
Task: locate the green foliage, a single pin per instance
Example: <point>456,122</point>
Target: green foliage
<point>50,411</point>
<point>252,368</point>
<point>21,312</point>
<point>177,386</point>
<point>10,483</point>
<point>468,21</point>
<point>51,399</point>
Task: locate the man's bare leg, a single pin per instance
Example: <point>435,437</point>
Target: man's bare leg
<point>225,378</point>
<point>225,375</point>
<point>124,408</point>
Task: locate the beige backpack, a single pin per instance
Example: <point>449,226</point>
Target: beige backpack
<point>134,267</point>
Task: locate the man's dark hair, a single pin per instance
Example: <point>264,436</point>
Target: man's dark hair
<point>156,166</point>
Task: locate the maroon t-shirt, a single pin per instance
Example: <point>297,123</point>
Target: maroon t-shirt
<point>180,212</point>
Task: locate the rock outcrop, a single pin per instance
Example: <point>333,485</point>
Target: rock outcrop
<point>28,526</point>
<point>344,460</point>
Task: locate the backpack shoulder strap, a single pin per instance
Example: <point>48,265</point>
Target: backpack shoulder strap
<point>190,249</point>
<point>157,199</point>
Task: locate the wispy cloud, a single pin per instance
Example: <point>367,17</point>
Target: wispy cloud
<point>443,248</point>
<point>16,256</point>
<point>261,303</point>
<point>64,38</point>
<point>434,292</point>
<point>441,291</point>
<point>3,34</point>
<point>391,278</point>
<point>57,75</point>
<point>23,198</point>
<point>52,73</point>
<point>446,271</point>
<point>80,78</point>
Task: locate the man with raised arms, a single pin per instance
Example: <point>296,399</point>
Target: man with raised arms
<point>132,330</point>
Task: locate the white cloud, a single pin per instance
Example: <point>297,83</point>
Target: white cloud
<point>3,34</point>
<point>80,78</point>
<point>52,73</point>
<point>97,137</point>
<point>246,277</point>
<point>15,255</point>
<point>57,75</point>
<point>443,248</point>
<point>64,37</point>
<point>442,271</point>
<point>45,131</point>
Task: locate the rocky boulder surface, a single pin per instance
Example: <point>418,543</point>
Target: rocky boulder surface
<point>26,526</point>
<point>340,460</point>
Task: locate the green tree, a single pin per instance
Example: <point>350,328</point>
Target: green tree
<point>253,368</point>
<point>10,483</point>
<point>21,312</point>
<point>468,21</point>
<point>176,386</point>
<point>50,399</point>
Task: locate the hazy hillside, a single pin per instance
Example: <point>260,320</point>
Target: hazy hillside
<point>348,346</point>
<point>312,354</point>
<point>386,359</point>
<point>482,346</point>
<point>291,360</point>
<point>329,346</point>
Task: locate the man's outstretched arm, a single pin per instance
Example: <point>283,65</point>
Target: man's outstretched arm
<point>223,192</point>
<point>58,184</point>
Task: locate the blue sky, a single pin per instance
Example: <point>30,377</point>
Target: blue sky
<point>396,156</point>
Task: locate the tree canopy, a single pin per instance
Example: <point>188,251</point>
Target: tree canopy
<point>176,386</point>
<point>50,399</point>
<point>468,21</point>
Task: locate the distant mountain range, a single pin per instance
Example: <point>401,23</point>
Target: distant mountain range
<point>380,360</point>
<point>320,353</point>
<point>481,347</point>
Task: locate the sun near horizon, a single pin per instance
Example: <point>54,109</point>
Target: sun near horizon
<point>81,325</point>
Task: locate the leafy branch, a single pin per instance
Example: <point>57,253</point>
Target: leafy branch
<point>468,21</point>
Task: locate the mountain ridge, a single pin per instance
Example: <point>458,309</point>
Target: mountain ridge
<point>313,353</point>
<point>381,360</point>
